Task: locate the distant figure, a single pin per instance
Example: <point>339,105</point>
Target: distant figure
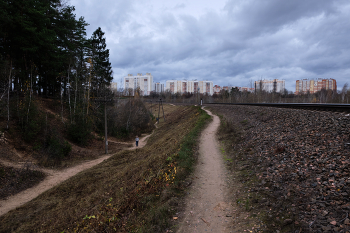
<point>137,140</point>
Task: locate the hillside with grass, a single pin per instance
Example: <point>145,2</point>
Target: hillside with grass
<point>133,191</point>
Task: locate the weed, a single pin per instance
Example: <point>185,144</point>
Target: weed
<point>246,204</point>
<point>244,122</point>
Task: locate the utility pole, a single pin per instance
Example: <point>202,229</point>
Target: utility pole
<point>160,103</point>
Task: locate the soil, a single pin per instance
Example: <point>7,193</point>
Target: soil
<point>209,206</point>
<point>53,178</point>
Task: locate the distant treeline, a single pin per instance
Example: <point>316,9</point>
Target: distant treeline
<point>234,95</point>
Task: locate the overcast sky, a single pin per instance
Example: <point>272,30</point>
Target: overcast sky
<point>229,42</point>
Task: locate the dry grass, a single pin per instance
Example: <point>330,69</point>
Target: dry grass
<point>133,191</point>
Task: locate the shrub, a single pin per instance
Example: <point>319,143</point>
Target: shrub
<point>130,118</point>
<point>79,131</point>
<point>56,147</point>
<point>120,132</point>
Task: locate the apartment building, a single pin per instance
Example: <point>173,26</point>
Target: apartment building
<point>142,82</point>
<point>248,89</point>
<point>184,86</point>
<point>313,86</point>
<point>158,87</point>
<point>270,85</point>
<point>205,87</point>
<point>174,86</point>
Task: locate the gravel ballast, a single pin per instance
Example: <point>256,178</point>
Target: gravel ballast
<point>301,161</point>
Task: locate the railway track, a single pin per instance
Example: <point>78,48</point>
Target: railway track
<point>309,106</point>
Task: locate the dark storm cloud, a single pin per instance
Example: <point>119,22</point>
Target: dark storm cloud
<point>259,17</point>
<point>242,42</point>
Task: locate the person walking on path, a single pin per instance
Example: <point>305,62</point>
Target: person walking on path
<point>137,140</point>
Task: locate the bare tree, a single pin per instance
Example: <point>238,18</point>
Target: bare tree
<point>343,92</point>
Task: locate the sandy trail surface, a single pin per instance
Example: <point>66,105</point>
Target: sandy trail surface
<point>207,207</point>
<point>54,177</point>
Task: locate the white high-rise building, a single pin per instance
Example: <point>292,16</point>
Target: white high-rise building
<point>203,87</point>
<point>270,85</point>
<point>158,87</point>
<point>143,82</point>
<point>174,86</point>
<point>313,86</point>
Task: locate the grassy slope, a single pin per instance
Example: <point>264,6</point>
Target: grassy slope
<point>133,191</point>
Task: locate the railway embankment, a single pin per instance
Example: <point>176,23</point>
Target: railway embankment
<point>294,165</point>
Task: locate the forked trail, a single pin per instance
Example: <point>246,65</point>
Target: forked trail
<point>53,178</point>
<point>207,208</point>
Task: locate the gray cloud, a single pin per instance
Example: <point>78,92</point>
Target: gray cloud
<point>236,43</point>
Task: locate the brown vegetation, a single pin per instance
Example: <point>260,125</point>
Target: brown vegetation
<point>134,189</point>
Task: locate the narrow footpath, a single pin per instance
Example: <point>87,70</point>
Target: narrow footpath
<point>53,178</point>
<point>207,206</point>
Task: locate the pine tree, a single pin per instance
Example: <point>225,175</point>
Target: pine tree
<point>102,70</point>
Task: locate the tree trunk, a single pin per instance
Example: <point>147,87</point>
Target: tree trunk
<point>88,95</point>
<point>61,101</point>
<point>76,92</point>
<point>8,98</point>
<point>30,91</point>
<point>70,109</point>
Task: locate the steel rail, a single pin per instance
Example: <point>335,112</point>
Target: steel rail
<point>309,106</point>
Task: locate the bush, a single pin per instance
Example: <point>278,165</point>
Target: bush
<point>120,133</point>
<point>55,147</point>
<point>129,119</point>
<point>58,149</point>
<point>79,131</point>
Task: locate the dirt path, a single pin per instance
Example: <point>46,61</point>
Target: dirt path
<point>53,178</point>
<point>207,206</point>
